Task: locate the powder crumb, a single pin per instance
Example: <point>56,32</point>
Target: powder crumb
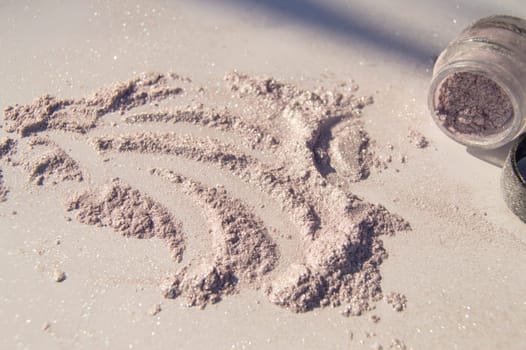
<point>370,334</point>
<point>397,344</point>
<point>417,139</point>
<point>247,85</point>
<point>380,163</point>
<point>377,346</point>
<point>154,309</point>
<point>59,276</point>
<point>396,300</point>
<point>375,318</point>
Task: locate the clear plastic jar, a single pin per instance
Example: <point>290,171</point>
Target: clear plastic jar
<point>488,57</point>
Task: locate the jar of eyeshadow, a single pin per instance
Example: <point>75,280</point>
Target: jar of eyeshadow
<point>478,89</point>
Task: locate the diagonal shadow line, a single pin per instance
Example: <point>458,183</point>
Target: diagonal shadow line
<point>361,27</point>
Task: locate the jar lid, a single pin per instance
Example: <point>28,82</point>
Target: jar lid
<point>514,178</point>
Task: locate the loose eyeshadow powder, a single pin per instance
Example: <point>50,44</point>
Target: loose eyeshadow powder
<point>293,147</point>
<point>470,103</point>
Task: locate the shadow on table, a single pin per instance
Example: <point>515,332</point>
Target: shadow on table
<point>492,156</point>
<point>369,28</point>
<point>347,24</point>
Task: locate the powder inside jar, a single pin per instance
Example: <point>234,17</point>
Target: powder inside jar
<point>470,103</point>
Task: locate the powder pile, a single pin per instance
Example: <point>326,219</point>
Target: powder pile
<point>470,103</point>
<point>306,139</point>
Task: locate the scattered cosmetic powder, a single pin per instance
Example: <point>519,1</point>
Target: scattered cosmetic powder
<point>293,143</point>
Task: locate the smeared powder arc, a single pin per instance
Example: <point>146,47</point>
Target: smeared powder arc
<point>300,148</point>
<point>3,189</point>
<point>7,148</point>
<point>128,212</point>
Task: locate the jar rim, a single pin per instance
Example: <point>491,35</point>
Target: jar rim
<point>507,22</point>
